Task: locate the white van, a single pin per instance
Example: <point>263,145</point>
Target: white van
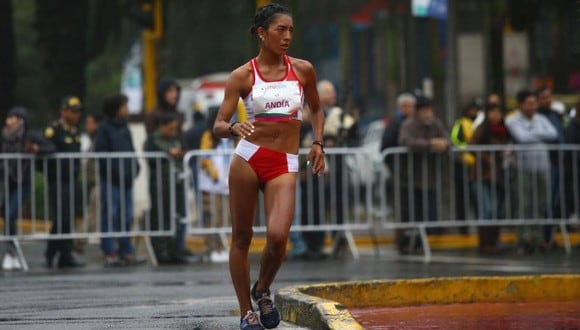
<point>201,94</point>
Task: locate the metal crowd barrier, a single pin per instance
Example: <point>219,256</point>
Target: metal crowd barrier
<point>343,200</point>
<point>41,189</point>
<point>423,189</point>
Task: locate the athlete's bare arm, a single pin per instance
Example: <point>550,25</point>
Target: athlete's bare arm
<point>239,84</point>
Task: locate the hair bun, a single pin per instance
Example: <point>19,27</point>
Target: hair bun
<point>265,14</point>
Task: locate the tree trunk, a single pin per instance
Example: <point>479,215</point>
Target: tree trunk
<point>7,57</point>
<point>62,44</point>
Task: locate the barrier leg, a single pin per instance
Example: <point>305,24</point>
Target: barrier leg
<point>224,240</point>
<point>425,241</point>
<point>20,255</point>
<point>352,244</point>
<point>565,237</point>
<point>413,239</point>
<point>150,251</point>
<point>375,242</point>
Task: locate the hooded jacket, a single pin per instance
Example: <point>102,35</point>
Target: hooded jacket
<point>20,171</point>
<point>154,117</point>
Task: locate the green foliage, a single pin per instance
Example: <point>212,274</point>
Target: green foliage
<point>29,90</point>
<point>40,205</point>
<point>104,75</point>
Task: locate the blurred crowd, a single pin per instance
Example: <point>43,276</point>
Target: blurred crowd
<point>482,181</point>
<point>110,181</point>
<point>414,124</point>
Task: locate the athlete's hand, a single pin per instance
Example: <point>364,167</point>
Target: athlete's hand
<point>316,159</point>
<point>242,129</point>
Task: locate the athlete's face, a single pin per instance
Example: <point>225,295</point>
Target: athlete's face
<point>278,35</point>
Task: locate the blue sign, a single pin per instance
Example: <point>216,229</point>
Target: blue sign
<point>430,8</point>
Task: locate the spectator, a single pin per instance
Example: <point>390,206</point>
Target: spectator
<point>544,96</point>
<point>340,130</point>
<point>192,137</point>
<point>116,181</point>
<point>213,184</point>
<point>340,127</point>
<point>92,122</point>
<point>426,138</point>
<point>488,176</point>
<point>572,161</point>
<point>572,167</point>
<point>308,245</point>
<point>526,126</point>
<point>192,141</point>
<point>168,92</point>
<point>463,162</point>
<point>62,176</point>
<point>16,175</point>
<point>166,139</point>
<point>492,98</point>
<point>405,109</point>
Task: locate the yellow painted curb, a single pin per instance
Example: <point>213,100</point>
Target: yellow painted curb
<point>442,242</point>
<point>324,306</point>
<point>437,242</point>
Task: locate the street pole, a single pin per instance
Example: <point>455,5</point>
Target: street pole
<point>262,3</point>
<point>451,67</point>
<point>150,38</point>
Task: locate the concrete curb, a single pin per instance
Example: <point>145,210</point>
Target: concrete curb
<point>324,306</point>
<point>313,312</point>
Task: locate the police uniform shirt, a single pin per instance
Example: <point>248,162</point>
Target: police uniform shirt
<point>66,138</point>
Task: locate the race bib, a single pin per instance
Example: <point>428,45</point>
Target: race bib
<point>277,99</point>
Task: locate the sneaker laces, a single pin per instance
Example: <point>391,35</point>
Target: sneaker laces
<point>251,318</point>
<point>265,303</point>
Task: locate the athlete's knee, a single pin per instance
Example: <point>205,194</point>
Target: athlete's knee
<point>242,238</point>
<point>277,241</point>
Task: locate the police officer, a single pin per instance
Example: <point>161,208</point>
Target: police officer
<point>62,176</point>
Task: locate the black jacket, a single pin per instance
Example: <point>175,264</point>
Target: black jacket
<point>391,138</point>
<point>113,136</point>
<point>9,168</point>
<point>66,139</point>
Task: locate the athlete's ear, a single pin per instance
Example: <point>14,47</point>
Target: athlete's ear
<point>261,32</point>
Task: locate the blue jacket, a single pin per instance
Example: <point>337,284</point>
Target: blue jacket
<point>113,136</point>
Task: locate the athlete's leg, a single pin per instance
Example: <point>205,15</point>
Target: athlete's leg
<point>279,200</point>
<point>244,186</point>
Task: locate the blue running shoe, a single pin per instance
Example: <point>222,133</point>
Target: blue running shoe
<point>250,322</point>
<point>269,315</point>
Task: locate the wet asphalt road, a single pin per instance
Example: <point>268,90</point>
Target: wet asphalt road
<point>200,296</point>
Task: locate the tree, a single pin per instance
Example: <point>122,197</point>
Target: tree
<point>62,43</point>
<point>7,56</point>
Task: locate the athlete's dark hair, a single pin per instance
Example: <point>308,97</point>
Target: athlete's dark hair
<point>266,14</point>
